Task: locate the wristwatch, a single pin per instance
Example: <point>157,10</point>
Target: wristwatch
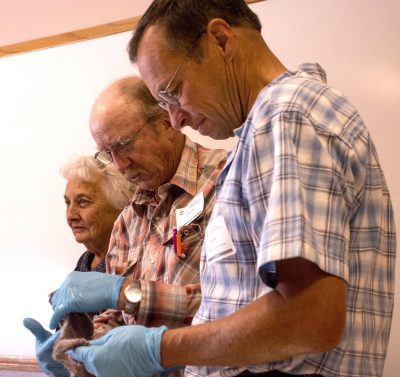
<point>133,295</point>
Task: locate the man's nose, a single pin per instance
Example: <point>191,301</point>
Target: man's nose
<point>178,117</point>
<point>121,162</point>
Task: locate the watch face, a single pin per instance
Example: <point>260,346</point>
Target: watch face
<point>133,294</point>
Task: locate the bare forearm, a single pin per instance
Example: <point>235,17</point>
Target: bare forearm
<point>271,328</point>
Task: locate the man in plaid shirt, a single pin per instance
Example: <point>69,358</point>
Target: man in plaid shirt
<point>169,170</point>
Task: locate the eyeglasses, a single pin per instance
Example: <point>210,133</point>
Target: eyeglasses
<point>168,98</point>
<point>120,148</point>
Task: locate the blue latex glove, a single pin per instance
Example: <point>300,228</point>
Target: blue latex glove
<point>85,292</point>
<point>125,351</point>
<point>44,348</point>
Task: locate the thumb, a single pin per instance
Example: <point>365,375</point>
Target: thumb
<point>55,319</point>
<point>40,333</point>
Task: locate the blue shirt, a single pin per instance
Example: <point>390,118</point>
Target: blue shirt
<point>305,181</point>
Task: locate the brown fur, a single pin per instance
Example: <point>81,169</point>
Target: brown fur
<point>76,330</point>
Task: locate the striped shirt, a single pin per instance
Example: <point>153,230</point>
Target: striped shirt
<point>305,181</point>
<point>141,245</point>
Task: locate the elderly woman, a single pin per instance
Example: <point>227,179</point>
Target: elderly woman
<point>94,195</point>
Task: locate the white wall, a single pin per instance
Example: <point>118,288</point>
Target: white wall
<point>23,20</point>
<point>45,100</point>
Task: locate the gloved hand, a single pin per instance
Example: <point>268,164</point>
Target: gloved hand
<point>85,292</point>
<point>126,351</point>
<point>44,348</point>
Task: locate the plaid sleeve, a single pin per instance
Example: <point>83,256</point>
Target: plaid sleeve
<point>166,304</point>
<point>303,199</point>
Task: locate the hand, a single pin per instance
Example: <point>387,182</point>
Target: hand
<point>126,351</point>
<point>44,348</point>
<point>85,292</point>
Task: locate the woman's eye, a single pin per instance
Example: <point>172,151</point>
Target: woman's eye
<point>83,203</point>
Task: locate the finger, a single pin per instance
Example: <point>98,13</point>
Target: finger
<point>40,333</point>
<point>99,341</point>
<point>84,355</point>
<point>78,353</point>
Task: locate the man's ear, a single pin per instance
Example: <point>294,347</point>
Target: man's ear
<point>221,32</point>
<point>169,131</point>
<point>166,125</point>
<point>166,121</point>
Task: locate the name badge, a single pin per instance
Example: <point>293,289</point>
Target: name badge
<point>186,215</point>
<point>218,242</point>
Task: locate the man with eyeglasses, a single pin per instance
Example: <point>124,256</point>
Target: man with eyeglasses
<point>297,268</point>
<point>160,278</point>
<point>132,131</point>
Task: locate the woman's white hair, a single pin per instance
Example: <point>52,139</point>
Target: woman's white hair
<point>116,188</point>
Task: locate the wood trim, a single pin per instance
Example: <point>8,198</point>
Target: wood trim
<point>22,363</point>
<point>71,37</point>
<point>98,31</point>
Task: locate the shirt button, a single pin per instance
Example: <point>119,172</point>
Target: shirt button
<point>158,218</point>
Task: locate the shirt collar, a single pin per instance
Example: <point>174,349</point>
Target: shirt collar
<point>186,175</point>
<point>313,70</point>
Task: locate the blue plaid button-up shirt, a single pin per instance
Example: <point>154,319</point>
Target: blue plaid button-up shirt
<point>305,181</point>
